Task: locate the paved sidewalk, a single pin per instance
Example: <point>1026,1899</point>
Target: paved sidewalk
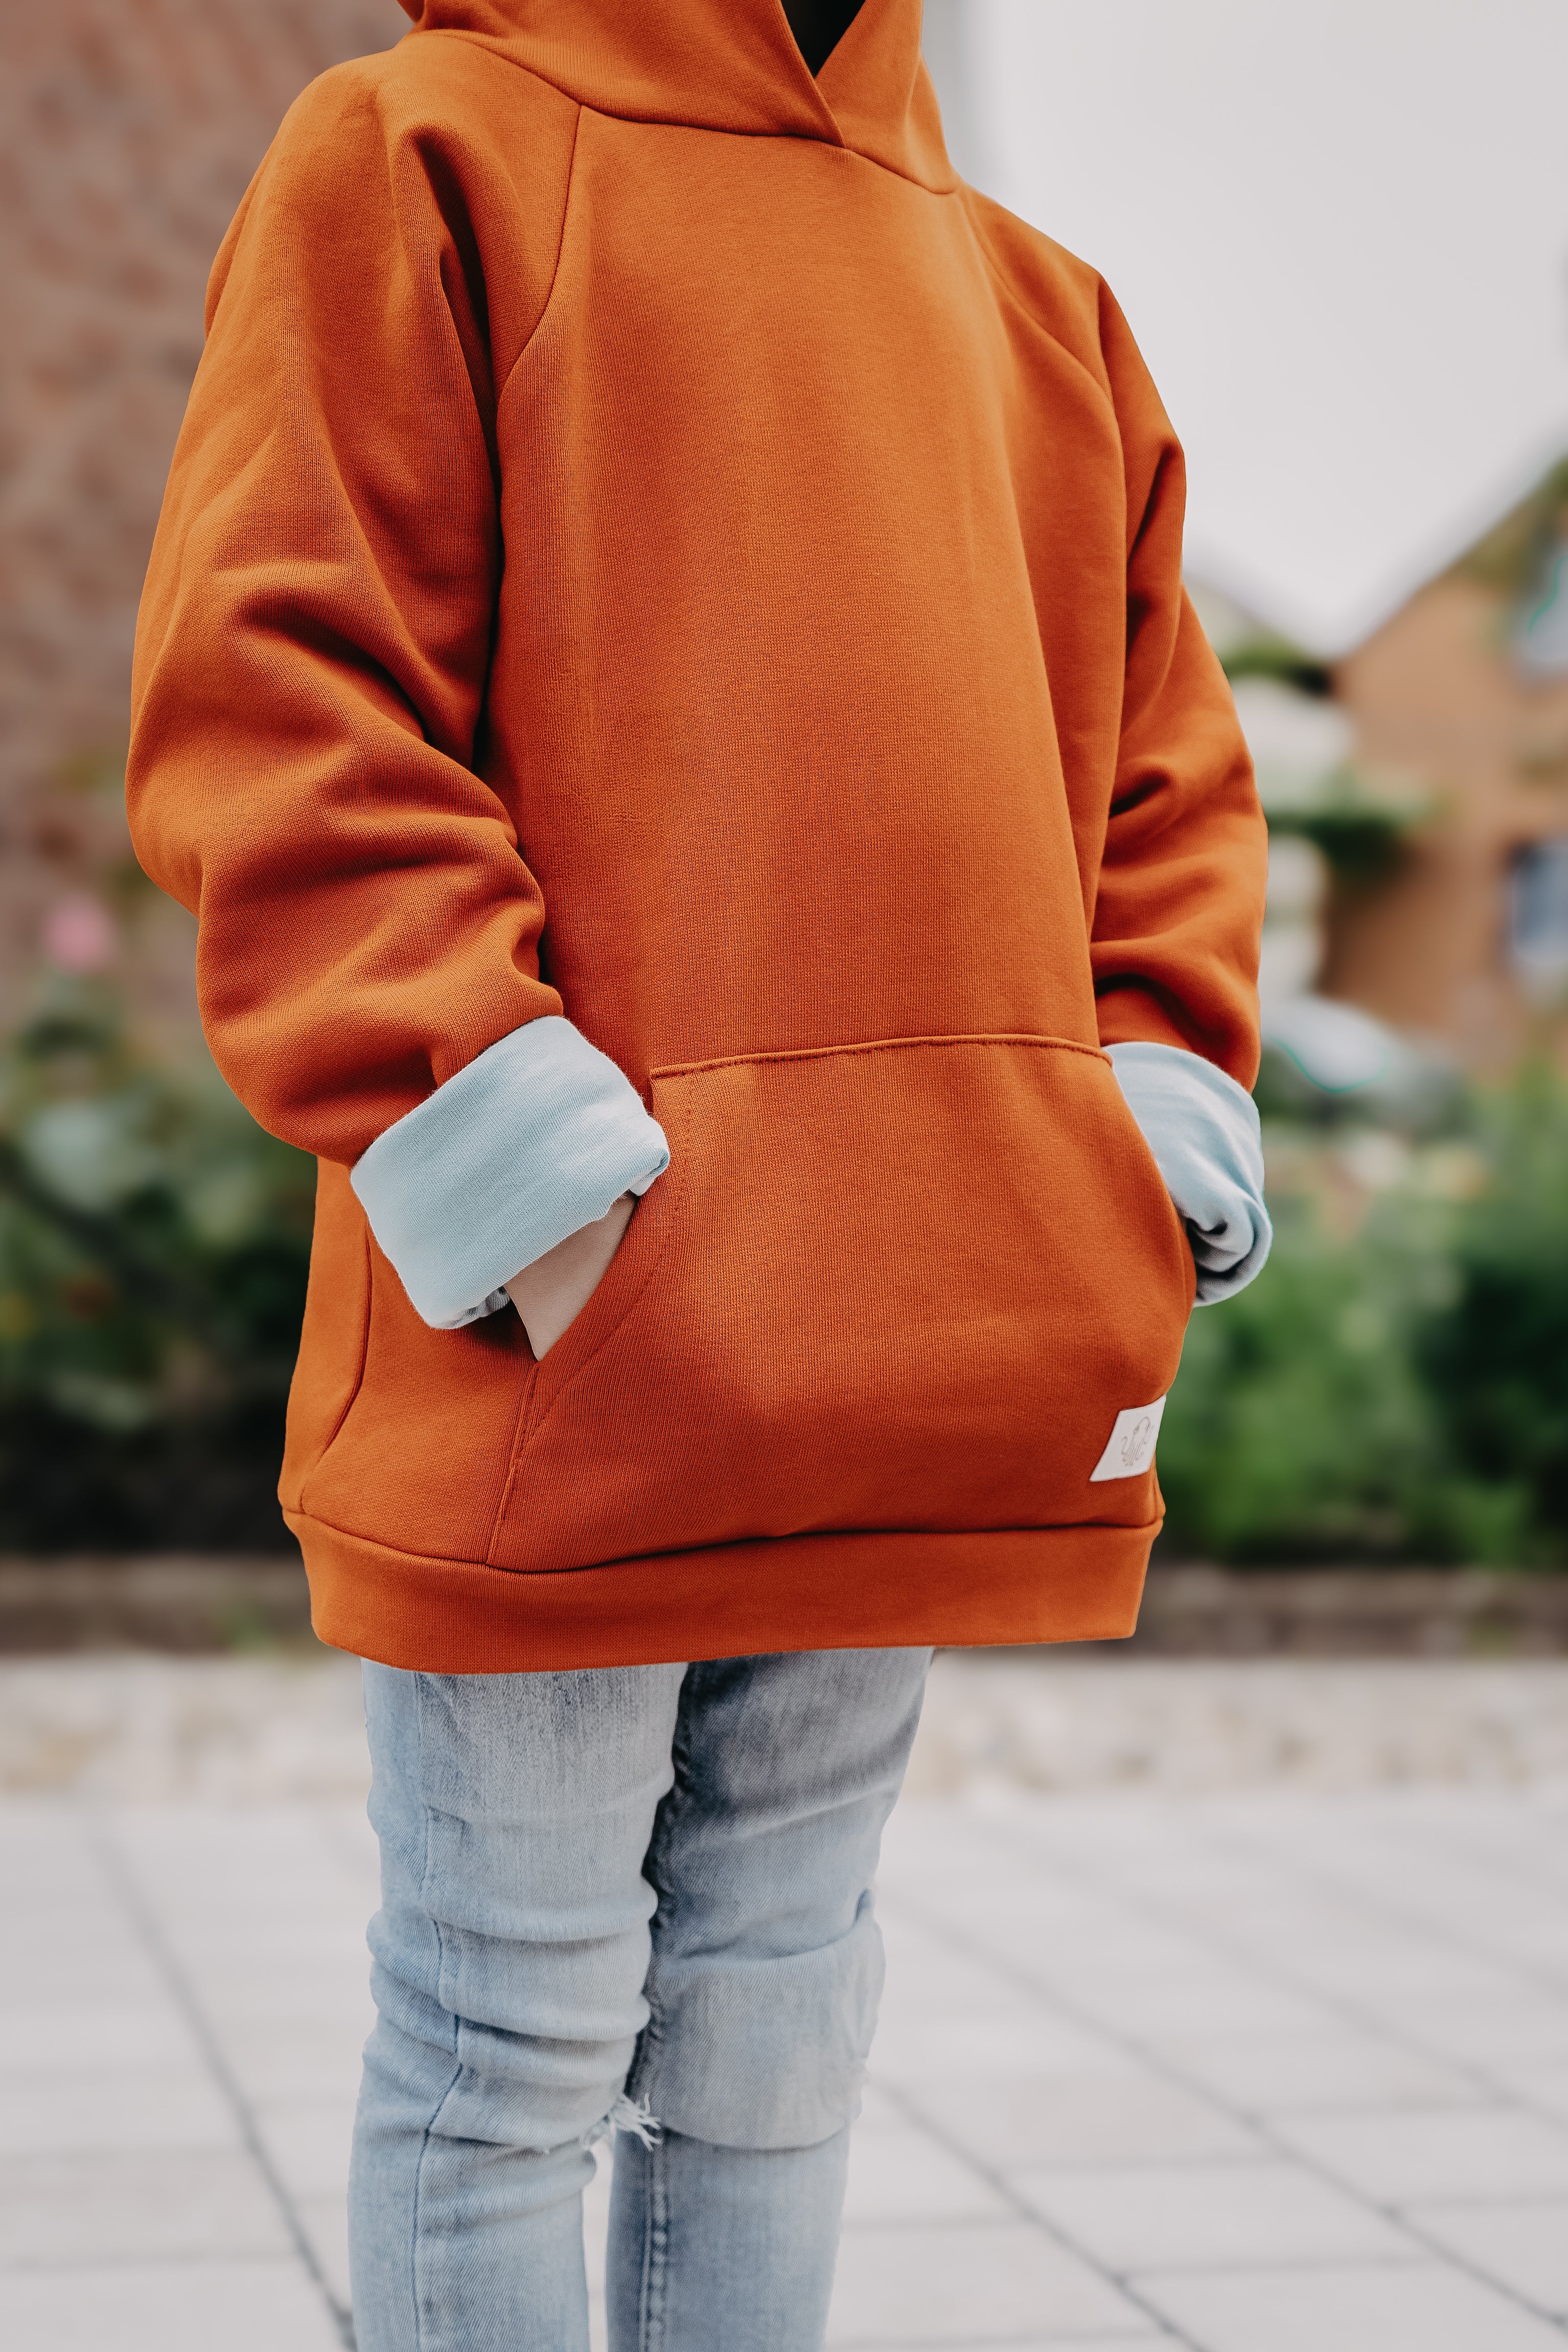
<point>1277,2071</point>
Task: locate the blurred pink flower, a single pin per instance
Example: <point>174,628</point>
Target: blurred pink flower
<point>79,935</point>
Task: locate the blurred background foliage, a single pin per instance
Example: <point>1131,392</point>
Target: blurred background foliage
<point>1392,1386</point>
<point>153,1242</point>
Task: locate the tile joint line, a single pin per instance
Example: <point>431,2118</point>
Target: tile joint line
<point>182,1991</point>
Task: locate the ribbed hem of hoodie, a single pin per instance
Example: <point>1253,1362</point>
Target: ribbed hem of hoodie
<point>1202,1132</point>
<point>880,1590</point>
<point>538,1136</point>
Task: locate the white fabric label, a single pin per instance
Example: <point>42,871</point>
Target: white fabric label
<point>1132,1446</point>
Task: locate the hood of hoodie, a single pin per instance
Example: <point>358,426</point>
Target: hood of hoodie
<point>724,65</point>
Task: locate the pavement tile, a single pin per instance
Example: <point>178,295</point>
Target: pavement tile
<point>1487,1914</point>
<point>303,2062</point>
<point>75,1933</point>
<point>964,2284</point>
<point>981,1886</point>
<point>58,1882</point>
<point>1101,1949</point>
<point>1396,2307</point>
<point>61,2038</point>
<point>325,2221</point>
<point>291,1907</point>
<point>1484,2153</point>
<point>98,1961</point>
<point>31,1824</point>
<point>1374,1969</point>
<point>174,2108</point>
<point>1202,2216</point>
<point>1271,2073</point>
<point>1526,2025</point>
<point>879,2110</point>
<point>240,1942</point>
<point>86,1900</point>
<point>1534,2085</point>
<point>929,1965</point>
<point>1539,1944</point>
<point>1122,2118</point>
<point>241,2306</point>
<point>138,2206</point>
<point>902,2176</point>
<point>289,1994</point>
<point>1208,2001</point>
<point>308,2140</point>
<point>918,2043</point>
<point>1525,2246</point>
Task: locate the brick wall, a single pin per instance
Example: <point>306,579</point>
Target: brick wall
<point>129,130</point>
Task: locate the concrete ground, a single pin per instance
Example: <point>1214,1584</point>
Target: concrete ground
<point>1227,2007</point>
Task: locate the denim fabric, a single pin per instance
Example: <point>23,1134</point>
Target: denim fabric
<point>531,1141</point>
<point>1202,1132</point>
<point>632,1899</point>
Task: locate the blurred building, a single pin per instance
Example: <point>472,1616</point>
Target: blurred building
<point>1417,791</point>
<point>1286,222</point>
<point>1467,940</point>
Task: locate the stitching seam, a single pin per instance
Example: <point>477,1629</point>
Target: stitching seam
<point>880,1046</point>
<point>656,2277</point>
<point>711,130</point>
<point>555,270</point>
<point>353,1395</point>
<point>692,1552</point>
<point>417,2298</point>
<point>1006,287</point>
<point>532,1426</point>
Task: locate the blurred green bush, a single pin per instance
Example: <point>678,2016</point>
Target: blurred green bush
<point>1496,1358</point>
<point>1394,1385</point>
<point>153,1246</point>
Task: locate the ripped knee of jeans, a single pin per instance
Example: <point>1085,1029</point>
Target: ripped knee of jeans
<point>626,2114</point>
<point>767,2052</point>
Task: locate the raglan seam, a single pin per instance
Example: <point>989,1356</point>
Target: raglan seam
<point>527,343</point>
<point>1004,284</point>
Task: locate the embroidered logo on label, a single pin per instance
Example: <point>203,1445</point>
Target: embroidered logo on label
<point>1132,1446</point>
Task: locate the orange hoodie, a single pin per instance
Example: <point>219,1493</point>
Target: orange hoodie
<point>649,545</point>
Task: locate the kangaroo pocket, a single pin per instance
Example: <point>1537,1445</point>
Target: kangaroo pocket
<point>897,1285</point>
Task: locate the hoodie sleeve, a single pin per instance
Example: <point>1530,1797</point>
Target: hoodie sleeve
<point>1179,909</point>
<point>1202,1132</point>
<point>311,667</point>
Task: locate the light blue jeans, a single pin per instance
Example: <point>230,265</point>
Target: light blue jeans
<point>633,1899</point>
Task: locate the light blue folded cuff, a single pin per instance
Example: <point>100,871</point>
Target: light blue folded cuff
<point>1202,1128</point>
<point>538,1136</point>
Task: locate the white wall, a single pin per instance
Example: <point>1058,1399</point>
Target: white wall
<point>1341,234</point>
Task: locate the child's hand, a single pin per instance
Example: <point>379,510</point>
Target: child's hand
<point>553,1290</point>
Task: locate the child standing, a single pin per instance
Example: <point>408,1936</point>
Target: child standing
<point>665,677</point>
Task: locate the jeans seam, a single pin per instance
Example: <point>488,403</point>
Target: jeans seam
<point>653,2310</point>
<point>417,2296</point>
<point>651,2039</point>
<point>656,2269</point>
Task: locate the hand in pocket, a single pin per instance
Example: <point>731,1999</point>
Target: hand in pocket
<point>552,1292</point>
